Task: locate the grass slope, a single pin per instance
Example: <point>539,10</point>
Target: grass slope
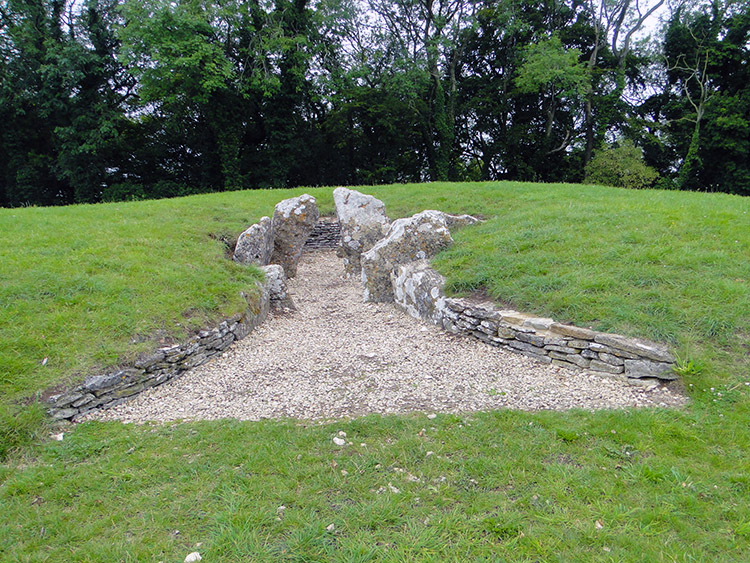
<point>91,286</point>
<point>654,485</point>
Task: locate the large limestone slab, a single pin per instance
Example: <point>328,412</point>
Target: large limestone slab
<point>293,221</point>
<point>414,238</point>
<point>418,289</point>
<point>363,223</point>
<point>637,346</point>
<point>255,245</point>
<point>637,369</point>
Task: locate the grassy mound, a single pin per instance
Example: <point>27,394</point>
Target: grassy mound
<point>87,287</point>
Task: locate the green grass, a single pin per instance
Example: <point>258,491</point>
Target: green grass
<point>89,287</point>
<point>634,485</point>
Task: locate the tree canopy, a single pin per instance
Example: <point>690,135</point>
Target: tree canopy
<point>106,100</point>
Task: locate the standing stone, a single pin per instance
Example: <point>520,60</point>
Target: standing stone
<point>255,245</point>
<point>415,238</point>
<point>276,283</point>
<point>418,289</point>
<point>293,221</point>
<point>363,223</point>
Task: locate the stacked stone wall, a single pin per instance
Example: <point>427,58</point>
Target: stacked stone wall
<point>163,365</point>
<point>326,234</point>
<point>418,289</point>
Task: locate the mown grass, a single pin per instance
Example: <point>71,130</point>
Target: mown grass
<point>88,287</point>
<point>634,485</point>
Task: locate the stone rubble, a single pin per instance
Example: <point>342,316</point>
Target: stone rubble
<point>337,357</point>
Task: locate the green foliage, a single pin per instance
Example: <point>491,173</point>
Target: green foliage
<point>548,64</point>
<point>687,368</point>
<point>116,99</point>
<point>621,166</point>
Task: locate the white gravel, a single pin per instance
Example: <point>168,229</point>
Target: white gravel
<point>337,357</point>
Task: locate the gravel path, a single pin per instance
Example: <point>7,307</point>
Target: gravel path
<point>337,357</point>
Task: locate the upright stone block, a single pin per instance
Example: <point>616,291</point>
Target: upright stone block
<point>293,221</point>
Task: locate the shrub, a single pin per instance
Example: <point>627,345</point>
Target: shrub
<point>621,166</point>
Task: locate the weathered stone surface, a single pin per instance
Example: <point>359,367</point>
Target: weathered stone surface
<point>255,245</point>
<point>127,391</point>
<point>611,359</point>
<point>66,399</point>
<point>602,349</point>
<point>150,360</point>
<point>85,399</point>
<point>98,383</point>
<point>526,347</point>
<point>534,339</point>
<point>363,223</point>
<point>576,359</point>
<point>513,317</point>
<point>454,222</point>
<point>60,414</point>
<point>506,332</point>
<point>566,365</point>
<point>644,368</point>
<point>418,289</point>
<point>636,346</point>
<point>414,238</point>
<point>598,365</point>
<point>574,331</point>
<point>293,221</point>
<point>555,341</point>
<point>276,283</point>
<point>538,323</point>
<point>561,349</point>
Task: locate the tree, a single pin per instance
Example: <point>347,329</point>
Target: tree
<point>423,37</point>
<point>706,58</point>
<point>615,24</point>
<point>548,66</point>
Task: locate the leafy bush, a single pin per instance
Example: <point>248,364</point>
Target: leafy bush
<point>621,166</point>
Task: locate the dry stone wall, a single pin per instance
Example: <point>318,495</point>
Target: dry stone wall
<point>165,364</point>
<point>326,234</point>
<point>418,289</point>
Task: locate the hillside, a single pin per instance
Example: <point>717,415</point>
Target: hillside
<point>87,287</point>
